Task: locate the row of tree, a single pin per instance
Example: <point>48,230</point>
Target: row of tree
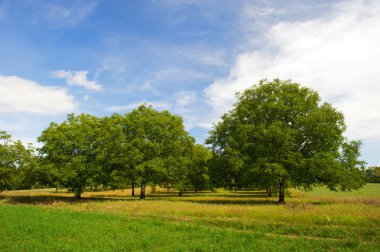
<point>140,147</point>
<point>277,135</point>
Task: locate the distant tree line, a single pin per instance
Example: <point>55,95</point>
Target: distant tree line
<point>373,174</point>
<point>278,135</point>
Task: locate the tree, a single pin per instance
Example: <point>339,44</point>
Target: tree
<point>16,161</point>
<point>7,168</point>
<point>69,150</point>
<point>373,174</point>
<point>26,163</point>
<point>110,151</point>
<point>281,134</point>
<point>198,173</point>
<point>159,146</point>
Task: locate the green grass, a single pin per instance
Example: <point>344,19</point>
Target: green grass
<point>35,229</point>
<point>224,221</point>
<point>369,190</point>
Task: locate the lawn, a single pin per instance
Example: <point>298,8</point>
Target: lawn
<point>43,220</point>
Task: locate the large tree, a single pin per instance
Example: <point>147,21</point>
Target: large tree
<point>69,151</point>
<point>281,134</point>
<point>159,147</point>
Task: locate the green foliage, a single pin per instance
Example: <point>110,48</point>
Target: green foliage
<point>7,169</point>
<point>16,162</point>
<point>373,174</point>
<point>144,146</point>
<point>111,153</point>
<point>69,150</point>
<point>159,148</point>
<point>198,172</point>
<point>280,134</point>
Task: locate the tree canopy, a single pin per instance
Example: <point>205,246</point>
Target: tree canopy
<point>373,174</point>
<point>69,150</point>
<point>160,147</point>
<point>15,162</point>
<point>143,146</point>
<point>280,134</point>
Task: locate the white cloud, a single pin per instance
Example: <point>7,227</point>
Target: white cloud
<point>25,96</point>
<point>337,54</point>
<point>160,105</point>
<point>184,99</point>
<point>205,125</point>
<point>77,78</point>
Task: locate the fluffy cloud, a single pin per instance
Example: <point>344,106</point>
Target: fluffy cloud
<point>25,96</point>
<point>337,54</point>
<point>77,78</point>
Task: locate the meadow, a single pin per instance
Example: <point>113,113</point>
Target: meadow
<point>46,220</point>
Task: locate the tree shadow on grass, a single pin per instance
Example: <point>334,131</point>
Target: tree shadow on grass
<point>234,202</point>
<point>48,200</point>
<point>229,199</point>
<point>210,194</point>
<point>255,195</point>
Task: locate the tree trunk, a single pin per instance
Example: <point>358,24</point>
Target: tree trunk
<point>133,189</point>
<point>281,199</point>
<point>196,189</point>
<point>269,191</point>
<point>78,193</point>
<point>180,193</point>
<point>142,193</point>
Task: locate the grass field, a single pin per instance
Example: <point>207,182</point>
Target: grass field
<point>43,220</point>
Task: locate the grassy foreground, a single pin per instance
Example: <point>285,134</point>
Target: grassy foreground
<point>224,221</point>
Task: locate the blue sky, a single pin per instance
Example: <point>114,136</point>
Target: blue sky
<point>187,56</point>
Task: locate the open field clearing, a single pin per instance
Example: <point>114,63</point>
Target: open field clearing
<point>221,221</point>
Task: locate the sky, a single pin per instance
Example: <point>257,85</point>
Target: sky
<point>186,56</point>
